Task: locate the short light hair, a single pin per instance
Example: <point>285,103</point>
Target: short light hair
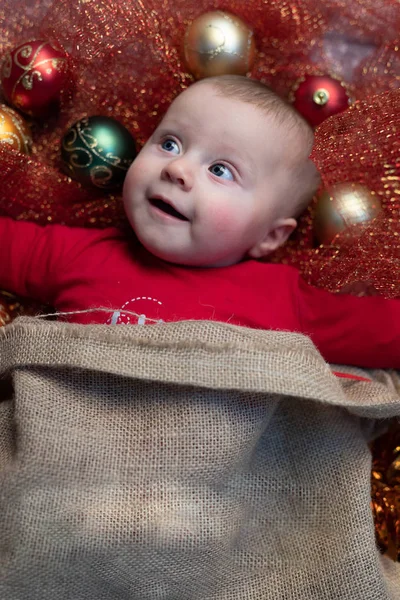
<point>305,177</point>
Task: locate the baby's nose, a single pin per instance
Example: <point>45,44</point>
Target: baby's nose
<point>179,172</point>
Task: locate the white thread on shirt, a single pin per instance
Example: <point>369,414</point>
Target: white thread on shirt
<point>95,310</point>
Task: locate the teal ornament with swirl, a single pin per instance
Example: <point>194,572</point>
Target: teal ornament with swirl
<point>98,151</point>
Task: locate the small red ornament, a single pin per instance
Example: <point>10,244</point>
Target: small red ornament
<point>318,97</point>
<point>33,76</point>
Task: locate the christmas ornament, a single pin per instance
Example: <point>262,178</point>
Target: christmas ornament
<point>317,97</point>
<point>98,151</point>
<point>5,316</point>
<point>12,307</point>
<point>33,76</point>
<point>13,130</point>
<point>342,206</point>
<point>385,483</point>
<point>218,43</point>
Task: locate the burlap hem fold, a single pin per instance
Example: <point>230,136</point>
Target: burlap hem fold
<point>186,461</point>
<point>275,362</point>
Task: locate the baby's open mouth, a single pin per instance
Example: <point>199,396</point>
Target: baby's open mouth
<point>167,208</point>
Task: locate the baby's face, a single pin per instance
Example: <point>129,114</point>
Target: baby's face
<point>206,189</point>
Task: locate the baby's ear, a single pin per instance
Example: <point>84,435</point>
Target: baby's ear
<point>275,238</point>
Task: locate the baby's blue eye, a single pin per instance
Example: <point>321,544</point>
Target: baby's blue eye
<point>222,171</point>
<point>170,146</point>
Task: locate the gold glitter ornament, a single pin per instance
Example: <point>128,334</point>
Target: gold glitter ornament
<point>341,207</point>
<point>14,132</point>
<point>218,43</point>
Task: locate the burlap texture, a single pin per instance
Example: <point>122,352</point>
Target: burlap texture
<point>187,461</point>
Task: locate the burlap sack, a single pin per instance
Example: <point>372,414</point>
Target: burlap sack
<point>187,461</point>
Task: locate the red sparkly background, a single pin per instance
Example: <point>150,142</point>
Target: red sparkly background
<point>127,62</point>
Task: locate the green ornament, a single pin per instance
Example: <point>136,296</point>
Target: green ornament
<point>98,151</point>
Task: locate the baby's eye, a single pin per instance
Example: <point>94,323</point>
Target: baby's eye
<point>170,145</point>
<point>220,170</point>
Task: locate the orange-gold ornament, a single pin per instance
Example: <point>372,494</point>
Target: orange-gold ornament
<point>5,316</point>
<point>341,208</point>
<point>385,484</point>
<point>318,97</point>
<point>14,132</point>
<point>33,77</point>
<point>218,43</point>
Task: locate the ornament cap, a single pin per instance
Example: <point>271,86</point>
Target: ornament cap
<point>321,96</point>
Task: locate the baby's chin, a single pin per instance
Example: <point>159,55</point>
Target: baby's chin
<point>185,254</point>
<point>185,258</point>
<point>174,257</point>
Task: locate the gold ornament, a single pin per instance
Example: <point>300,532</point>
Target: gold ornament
<point>341,207</point>
<point>14,132</point>
<point>218,43</point>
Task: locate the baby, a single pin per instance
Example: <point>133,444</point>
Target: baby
<point>217,186</point>
<point>223,177</point>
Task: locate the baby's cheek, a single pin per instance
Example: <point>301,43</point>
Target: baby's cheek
<point>142,167</point>
<point>130,179</point>
<point>225,220</point>
<point>135,171</point>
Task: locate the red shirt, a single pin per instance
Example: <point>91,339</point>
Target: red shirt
<point>76,269</point>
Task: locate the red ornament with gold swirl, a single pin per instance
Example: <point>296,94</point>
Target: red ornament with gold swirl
<point>33,76</point>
